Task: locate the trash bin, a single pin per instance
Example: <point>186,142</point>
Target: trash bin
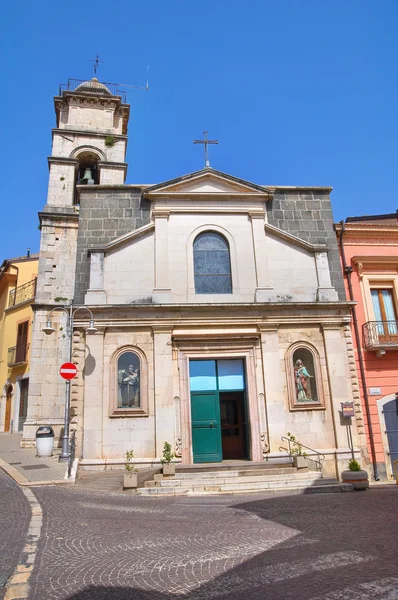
<point>44,441</point>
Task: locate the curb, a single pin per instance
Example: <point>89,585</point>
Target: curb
<point>24,481</point>
<point>18,585</point>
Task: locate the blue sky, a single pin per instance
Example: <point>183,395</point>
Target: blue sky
<point>298,92</point>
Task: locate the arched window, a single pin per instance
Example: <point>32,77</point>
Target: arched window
<point>212,264</point>
<point>128,379</point>
<point>304,379</point>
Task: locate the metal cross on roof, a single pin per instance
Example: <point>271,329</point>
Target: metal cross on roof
<point>96,62</point>
<point>206,142</point>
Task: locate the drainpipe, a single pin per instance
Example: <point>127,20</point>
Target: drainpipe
<point>348,271</point>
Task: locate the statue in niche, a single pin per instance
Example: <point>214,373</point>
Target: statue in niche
<point>129,385</point>
<point>303,385</point>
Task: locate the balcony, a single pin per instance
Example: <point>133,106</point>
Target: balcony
<point>22,293</point>
<point>380,336</point>
<point>18,355</point>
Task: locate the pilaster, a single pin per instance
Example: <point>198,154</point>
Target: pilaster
<point>93,396</point>
<point>263,282</point>
<point>162,291</point>
<point>164,399</point>
<point>274,384</point>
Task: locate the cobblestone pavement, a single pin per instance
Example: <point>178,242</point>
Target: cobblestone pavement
<point>15,515</point>
<point>119,547</point>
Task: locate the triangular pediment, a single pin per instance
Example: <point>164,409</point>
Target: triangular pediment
<point>207,182</point>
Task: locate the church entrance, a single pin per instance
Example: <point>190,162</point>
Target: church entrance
<point>218,410</point>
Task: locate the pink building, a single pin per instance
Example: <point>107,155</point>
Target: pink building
<point>369,253</point>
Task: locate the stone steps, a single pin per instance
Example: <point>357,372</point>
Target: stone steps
<point>237,473</point>
<point>302,487</point>
<point>232,479</point>
<point>238,479</point>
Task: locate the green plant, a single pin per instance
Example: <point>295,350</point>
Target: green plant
<point>130,468</point>
<point>110,141</point>
<point>168,455</point>
<point>296,447</point>
<point>354,465</point>
<point>60,299</point>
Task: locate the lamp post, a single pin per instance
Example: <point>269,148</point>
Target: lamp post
<point>49,329</point>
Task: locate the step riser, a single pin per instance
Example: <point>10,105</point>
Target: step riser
<point>318,489</point>
<point>176,481</point>
<point>263,485</point>
<point>236,473</point>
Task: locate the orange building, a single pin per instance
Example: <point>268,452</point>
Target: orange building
<point>369,254</point>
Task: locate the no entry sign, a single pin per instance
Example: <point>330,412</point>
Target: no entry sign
<point>68,371</point>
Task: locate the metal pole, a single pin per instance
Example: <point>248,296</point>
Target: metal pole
<point>64,456</point>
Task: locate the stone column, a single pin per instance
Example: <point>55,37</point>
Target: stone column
<point>164,399</point>
<point>93,396</point>
<point>161,292</point>
<point>325,292</point>
<point>263,283</point>
<point>274,385</point>
<point>339,377</point>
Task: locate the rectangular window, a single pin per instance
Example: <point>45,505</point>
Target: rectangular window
<point>22,342</point>
<point>385,313</point>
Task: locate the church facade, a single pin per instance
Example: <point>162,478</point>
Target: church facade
<point>219,304</point>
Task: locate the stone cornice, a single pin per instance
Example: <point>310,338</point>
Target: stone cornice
<point>88,133</point>
<point>128,237</point>
<point>55,160</point>
<point>302,188</point>
<point>289,237</point>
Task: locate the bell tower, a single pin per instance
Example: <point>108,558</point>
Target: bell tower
<point>89,141</point>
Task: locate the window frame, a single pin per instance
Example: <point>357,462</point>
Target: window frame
<point>294,405</point>
<point>201,234</point>
<point>141,411</point>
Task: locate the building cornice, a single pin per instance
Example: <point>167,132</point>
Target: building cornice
<point>295,240</point>
<point>88,133</point>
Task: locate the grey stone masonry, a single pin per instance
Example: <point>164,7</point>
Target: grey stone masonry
<point>105,214</point>
<point>307,213</point>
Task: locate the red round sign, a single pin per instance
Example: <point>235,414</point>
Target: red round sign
<point>68,371</point>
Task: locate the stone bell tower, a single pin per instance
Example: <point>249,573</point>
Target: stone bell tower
<point>88,149</point>
<point>89,141</point>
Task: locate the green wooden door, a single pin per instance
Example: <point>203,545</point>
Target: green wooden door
<point>206,430</point>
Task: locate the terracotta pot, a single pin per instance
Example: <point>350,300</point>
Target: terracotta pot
<point>169,469</point>
<point>130,481</point>
<point>300,462</point>
<point>358,479</point>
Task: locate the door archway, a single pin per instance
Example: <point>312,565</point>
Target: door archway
<point>388,414</point>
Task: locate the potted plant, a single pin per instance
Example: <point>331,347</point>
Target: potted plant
<point>130,478</point>
<point>169,468</point>
<point>300,458</point>
<point>356,476</point>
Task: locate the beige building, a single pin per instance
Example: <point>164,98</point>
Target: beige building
<point>17,293</point>
<point>219,304</point>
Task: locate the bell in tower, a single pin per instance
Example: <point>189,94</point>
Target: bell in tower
<point>87,177</point>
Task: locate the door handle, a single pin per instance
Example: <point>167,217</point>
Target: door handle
<point>211,425</point>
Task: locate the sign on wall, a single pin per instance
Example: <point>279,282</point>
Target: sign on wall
<point>347,408</point>
<point>375,391</point>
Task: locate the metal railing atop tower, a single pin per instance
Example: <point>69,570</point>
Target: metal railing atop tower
<point>114,88</point>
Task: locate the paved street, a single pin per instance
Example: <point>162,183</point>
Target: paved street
<point>93,545</point>
<point>14,521</point>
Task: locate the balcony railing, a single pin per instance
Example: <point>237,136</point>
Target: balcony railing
<point>17,355</point>
<point>22,293</point>
<point>380,334</point>
<point>112,87</point>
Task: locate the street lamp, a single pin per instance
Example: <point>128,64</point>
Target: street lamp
<point>49,329</point>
